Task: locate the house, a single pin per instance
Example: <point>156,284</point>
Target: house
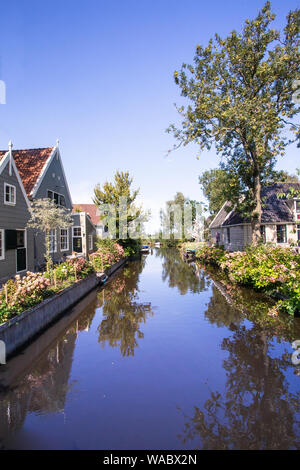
<point>93,211</point>
<point>83,234</point>
<point>42,175</point>
<point>278,223</point>
<point>16,241</point>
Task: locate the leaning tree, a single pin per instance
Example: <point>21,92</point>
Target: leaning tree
<point>242,100</point>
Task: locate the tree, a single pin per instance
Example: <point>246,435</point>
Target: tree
<point>47,216</point>
<point>241,92</point>
<point>219,186</point>
<point>110,195</point>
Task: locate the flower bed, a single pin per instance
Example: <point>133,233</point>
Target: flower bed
<point>19,294</point>
<point>265,268</point>
<point>108,253</point>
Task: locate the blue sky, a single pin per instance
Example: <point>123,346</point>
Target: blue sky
<point>98,75</point>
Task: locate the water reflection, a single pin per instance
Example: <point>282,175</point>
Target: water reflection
<point>258,410</point>
<point>44,388</point>
<point>187,277</point>
<point>123,312</point>
<point>64,391</point>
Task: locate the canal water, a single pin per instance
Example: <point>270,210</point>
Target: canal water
<point>160,358</point>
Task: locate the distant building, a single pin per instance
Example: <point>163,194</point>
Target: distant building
<point>93,211</point>
<point>278,223</point>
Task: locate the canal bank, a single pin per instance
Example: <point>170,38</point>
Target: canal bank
<point>21,329</point>
<point>157,359</point>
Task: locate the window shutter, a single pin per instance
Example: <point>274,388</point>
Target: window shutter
<point>10,239</point>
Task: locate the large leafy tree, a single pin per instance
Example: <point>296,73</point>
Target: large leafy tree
<point>219,185</point>
<point>112,193</point>
<point>241,91</point>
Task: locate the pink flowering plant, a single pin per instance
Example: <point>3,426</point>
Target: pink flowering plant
<point>18,294</point>
<point>266,268</point>
<point>107,254</point>
<point>73,269</point>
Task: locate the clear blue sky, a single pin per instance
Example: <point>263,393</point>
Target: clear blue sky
<point>98,75</point>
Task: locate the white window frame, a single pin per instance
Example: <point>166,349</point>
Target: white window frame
<point>67,236</point>
<point>75,227</point>
<point>2,244</point>
<point>55,241</point>
<point>59,196</point>
<point>10,203</point>
<point>91,245</point>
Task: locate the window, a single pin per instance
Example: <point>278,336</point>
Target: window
<point>298,207</point>
<point>76,231</point>
<point>2,244</point>
<point>59,199</point>
<point>281,233</point>
<point>53,244</point>
<point>90,242</point>
<point>20,238</point>
<point>64,239</point>
<point>228,235</point>
<point>9,194</point>
<point>263,233</point>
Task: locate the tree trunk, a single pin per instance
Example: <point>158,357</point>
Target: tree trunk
<point>256,213</point>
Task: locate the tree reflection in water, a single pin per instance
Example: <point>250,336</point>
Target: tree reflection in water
<point>123,313</point>
<point>187,277</point>
<point>257,411</point>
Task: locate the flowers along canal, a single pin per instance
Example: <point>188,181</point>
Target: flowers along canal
<point>162,357</point>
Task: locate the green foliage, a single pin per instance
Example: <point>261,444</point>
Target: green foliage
<point>108,199</point>
<point>131,247</point>
<point>265,268</point>
<point>219,186</point>
<point>240,91</point>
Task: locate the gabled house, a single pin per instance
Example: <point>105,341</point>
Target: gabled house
<point>278,225</point>
<point>16,241</point>
<point>42,175</point>
<point>94,214</point>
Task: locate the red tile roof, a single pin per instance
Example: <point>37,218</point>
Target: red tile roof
<point>30,163</point>
<point>91,210</point>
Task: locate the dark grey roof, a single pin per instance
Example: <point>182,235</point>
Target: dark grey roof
<point>221,215</point>
<point>273,210</point>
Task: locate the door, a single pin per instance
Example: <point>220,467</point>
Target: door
<point>77,239</point>
<point>21,251</point>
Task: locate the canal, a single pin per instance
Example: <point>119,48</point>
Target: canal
<point>160,358</point>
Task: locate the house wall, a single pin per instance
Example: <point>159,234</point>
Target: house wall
<point>241,236</point>
<point>87,228</point>
<point>53,180</point>
<point>90,230</point>
<point>14,217</point>
<point>271,234</point>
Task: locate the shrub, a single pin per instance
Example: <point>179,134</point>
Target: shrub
<point>108,253</point>
<point>274,270</point>
<point>21,293</point>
